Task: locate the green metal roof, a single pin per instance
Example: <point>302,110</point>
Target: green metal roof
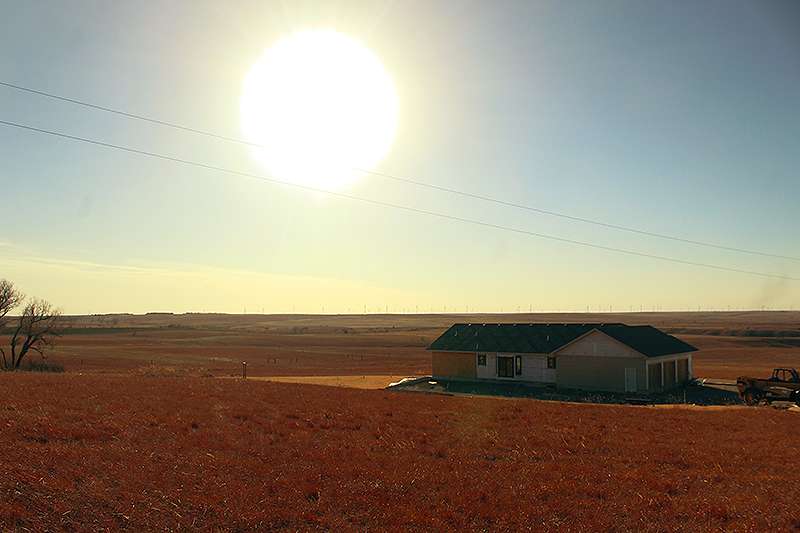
<point>547,338</point>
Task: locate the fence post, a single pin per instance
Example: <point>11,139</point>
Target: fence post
<point>244,370</point>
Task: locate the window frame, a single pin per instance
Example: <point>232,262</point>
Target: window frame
<point>551,363</point>
<point>500,359</point>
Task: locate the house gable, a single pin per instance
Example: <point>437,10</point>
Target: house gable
<point>595,343</point>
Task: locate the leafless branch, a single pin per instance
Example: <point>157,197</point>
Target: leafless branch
<point>36,330</point>
<point>10,298</point>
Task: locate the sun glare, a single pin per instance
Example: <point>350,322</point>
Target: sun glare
<point>322,106</point>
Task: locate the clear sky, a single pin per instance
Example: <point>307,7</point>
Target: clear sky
<point>674,117</point>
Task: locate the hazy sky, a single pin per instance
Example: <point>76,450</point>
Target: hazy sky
<point>673,117</point>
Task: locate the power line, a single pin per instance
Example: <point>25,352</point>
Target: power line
<point>578,219</point>
<point>414,182</point>
<point>391,205</point>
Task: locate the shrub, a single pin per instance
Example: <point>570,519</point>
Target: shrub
<point>42,366</point>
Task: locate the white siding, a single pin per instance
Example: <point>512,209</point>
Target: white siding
<point>490,370</point>
<point>534,368</point>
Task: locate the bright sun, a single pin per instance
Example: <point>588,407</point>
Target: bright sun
<point>322,106</point>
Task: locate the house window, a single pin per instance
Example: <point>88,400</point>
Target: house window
<point>481,359</point>
<point>551,362</point>
<point>518,364</point>
<point>505,367</point>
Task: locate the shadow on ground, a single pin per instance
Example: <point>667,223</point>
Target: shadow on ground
<point>695,393</point>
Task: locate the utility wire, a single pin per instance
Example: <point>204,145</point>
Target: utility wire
<point>414,182</point>
<point>381,203</point>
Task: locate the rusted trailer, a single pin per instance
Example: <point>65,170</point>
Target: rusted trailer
<point>783,385</point>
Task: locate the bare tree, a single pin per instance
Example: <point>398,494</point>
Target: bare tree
<point>10,298</point>
<point>35,332</point>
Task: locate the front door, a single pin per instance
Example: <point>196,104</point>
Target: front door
<point>505,367</point>
<point>630,380</point>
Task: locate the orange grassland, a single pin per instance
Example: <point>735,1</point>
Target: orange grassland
<point>89,452</point>
<point>138,435</point>
<point>731,343</point>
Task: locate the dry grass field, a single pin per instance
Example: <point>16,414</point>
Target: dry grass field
<point>98,452</point>
<point>731,343</point>
<point>138,435</point>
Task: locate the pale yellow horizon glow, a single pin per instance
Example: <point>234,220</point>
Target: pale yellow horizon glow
<point>84,287</point>
<point>322,105</point>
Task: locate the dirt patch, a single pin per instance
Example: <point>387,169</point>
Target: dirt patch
<point>355,382</point>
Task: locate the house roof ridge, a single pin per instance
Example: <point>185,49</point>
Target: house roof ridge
<point>547,337</point>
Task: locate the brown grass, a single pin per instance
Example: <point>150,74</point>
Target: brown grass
<point>731,344</point>
<point>103,452</point>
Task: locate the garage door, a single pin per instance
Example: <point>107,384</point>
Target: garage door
<point>683,370</point>
<point>654,377</point>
